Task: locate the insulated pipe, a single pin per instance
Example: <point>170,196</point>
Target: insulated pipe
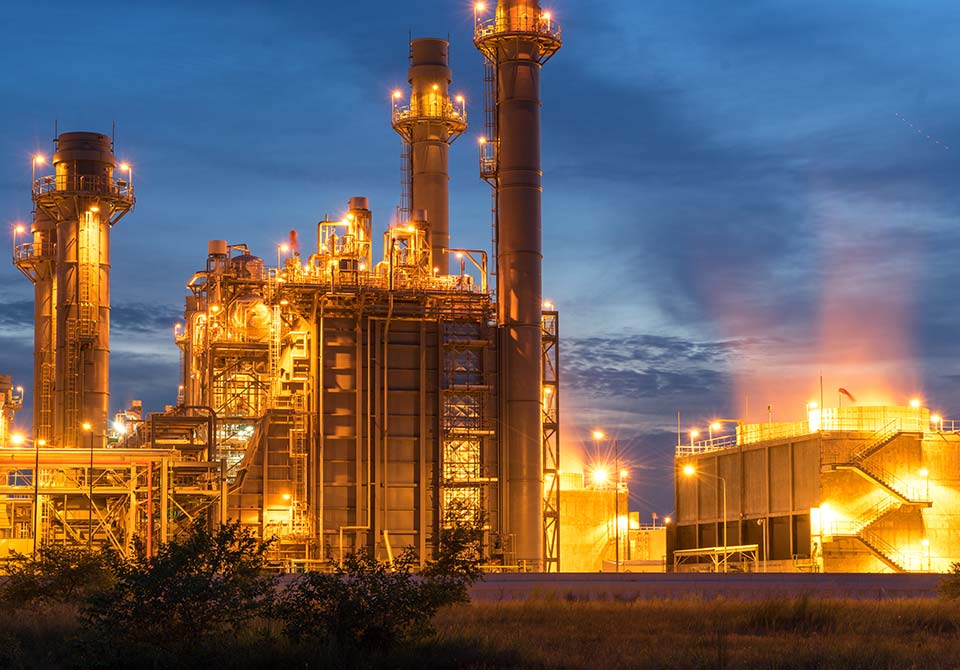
<point>516,48</point>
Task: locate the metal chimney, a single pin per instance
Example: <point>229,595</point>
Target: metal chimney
<point>69,263</point>
<point>516,43</point>
<point>429,125</point>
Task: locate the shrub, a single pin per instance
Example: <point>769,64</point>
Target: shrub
<point>196,590</point>
<point>949,586</point>
<point>364,604</point>
<point>56,573</point>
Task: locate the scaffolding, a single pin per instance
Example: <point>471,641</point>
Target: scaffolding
<point>550,385</point>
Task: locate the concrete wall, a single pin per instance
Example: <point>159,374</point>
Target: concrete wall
<point>588,530</point>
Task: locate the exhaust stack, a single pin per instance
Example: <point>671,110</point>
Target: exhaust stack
<point>429,125</point>
<point>69,264</point>
<point>516,43</point>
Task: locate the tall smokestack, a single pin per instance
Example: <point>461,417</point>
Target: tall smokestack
<point>516,43</point>
<point>429,125</point>
<point>69,263</point>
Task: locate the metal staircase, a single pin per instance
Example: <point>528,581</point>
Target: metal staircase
<point>900,494</point>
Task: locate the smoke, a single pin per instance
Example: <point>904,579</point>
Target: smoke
<point>841,306</point>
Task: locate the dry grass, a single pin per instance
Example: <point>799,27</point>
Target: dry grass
<point>799,634</point>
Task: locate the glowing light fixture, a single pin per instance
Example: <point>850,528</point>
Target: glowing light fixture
<point>915,403</point>
<point>716,425</point>
<point>94,209</point>
<point>119,428</point>
<point>599,435</point>
<point>689,470</point>
<point>480,7</point>
<point>39,159</point>
<point>397,95</point>
<point>694,434</point>
<point>17,439</point>
<point>600,476</point>
<point>19,229</point>
<point>86,426</point>
<point>924,472</point>
<point>482,140</point>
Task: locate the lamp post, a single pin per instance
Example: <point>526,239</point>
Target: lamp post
<point>600,435</point>
<point>691,471</point>
<point>89,429</point>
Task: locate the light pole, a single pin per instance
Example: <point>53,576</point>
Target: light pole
<point>89,428</point>
<point>600,435</point>
<point>691,471</point>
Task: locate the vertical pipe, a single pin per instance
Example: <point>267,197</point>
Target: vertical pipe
<point>517,48</point>
<point>44,319</point>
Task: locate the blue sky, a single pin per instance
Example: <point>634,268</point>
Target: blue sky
<point>738,196</point>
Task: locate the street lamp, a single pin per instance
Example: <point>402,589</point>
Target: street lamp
<point>716,425</point>
<point>691,471</point>
<point>89,428</point>
<point>600,435</point>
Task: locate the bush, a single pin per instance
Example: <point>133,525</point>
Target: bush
<point>195,591</point>
<point>56,573</point>
<point>949,586</point>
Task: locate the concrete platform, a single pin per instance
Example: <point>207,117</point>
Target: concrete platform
<point>732,586</point>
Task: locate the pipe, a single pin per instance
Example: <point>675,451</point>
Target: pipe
<point>518,43</point>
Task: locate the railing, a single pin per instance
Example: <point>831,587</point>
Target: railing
<point>457,114</point>
<point>542,25</point>
<point>706,446</point>
<point>86,184</point>
<point>908,491</point>
<point>879,440</point>
<point>30,251</point>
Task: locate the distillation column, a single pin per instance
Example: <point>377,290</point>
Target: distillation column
<point>429,125</point>
<point>516,43</point>
<point>70,261</point>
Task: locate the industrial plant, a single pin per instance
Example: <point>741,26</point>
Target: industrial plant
<point>849,489</point>
<point>329,399</point>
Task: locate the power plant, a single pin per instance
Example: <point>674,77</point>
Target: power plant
<point>328,399</point>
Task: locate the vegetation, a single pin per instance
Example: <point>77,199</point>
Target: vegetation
<point>204,601</point>
<point>56,574</point>
<point>950,585</point>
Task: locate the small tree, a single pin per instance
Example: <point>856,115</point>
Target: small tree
<point>196,589</point>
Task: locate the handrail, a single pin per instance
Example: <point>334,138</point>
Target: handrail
<point>505,24</point>
<point>447,111</point>
<point>879,440</point>
<point>88,184</point>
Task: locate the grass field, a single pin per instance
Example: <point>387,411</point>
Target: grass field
<point>798,634</point>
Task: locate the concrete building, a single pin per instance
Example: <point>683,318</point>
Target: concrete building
<point>594,518</point>
<point>857,489</point>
